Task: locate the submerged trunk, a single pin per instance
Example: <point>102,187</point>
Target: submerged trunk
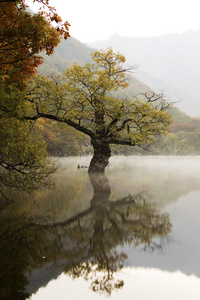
<point>101,156</point>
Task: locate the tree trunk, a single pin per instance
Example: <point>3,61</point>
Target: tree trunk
<point>101,156</point>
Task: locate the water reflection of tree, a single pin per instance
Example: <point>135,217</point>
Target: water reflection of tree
<point>22,245</point>
<point>84,245</point>
<point>96,233</point>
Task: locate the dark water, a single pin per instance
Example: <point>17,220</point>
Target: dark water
<point>132,234</point>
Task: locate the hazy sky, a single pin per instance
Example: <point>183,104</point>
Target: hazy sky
<point>96,20</point>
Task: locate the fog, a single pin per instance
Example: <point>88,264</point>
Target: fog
<point>162,64</point>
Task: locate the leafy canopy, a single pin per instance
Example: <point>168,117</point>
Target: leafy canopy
<point>86,99</point>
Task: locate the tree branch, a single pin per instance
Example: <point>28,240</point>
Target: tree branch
<point>59,119</point>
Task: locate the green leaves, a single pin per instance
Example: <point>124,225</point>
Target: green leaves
<point>23,158</point>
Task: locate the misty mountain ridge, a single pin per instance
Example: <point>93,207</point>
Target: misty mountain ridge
<point>169,63</point>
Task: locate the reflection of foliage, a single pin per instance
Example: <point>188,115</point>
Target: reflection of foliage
<point>68,198</point>
<point>95,233</point>
<point>22,248</point>
<point>84,245</point>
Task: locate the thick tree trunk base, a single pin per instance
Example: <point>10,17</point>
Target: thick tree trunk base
<point>101,156</point>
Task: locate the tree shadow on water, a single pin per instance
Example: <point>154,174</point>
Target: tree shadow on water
<point>84,245</point>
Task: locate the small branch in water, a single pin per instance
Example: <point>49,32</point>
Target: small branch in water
<point>81,167</point>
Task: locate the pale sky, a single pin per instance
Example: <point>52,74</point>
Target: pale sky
<point>97,20</point>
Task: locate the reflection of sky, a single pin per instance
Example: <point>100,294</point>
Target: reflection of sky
<point>182,248</point>
<point>140,284</point>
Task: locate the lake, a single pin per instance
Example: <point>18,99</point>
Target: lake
<point>130,234</point>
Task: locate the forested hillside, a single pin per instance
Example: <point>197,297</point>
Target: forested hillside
<point>66,53</point>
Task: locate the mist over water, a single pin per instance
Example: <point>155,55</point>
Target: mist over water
<point>168,176</point>
<point>171,174</point>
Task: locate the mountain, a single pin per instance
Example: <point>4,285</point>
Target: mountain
<point>169,63</point>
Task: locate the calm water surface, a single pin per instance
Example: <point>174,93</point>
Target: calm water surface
<point>133,234</point>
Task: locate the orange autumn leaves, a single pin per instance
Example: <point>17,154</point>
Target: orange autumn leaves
<point>23,36</point>
<point>51,14</point>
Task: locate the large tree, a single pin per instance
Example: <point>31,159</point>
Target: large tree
<point>86,99</point>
